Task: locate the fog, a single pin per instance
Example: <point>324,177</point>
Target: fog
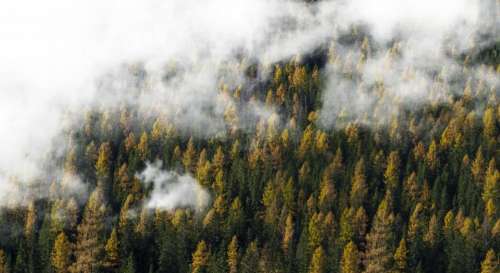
<point>54,55</point>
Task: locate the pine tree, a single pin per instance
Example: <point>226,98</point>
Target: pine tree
<point>30,238</point>
<point>112,255</point>
<point>477,168</point>
<point>489,123</point>
<point>218,159</point>
<point>188,159</point>
<point>89,246</point>
<point>379,240</point>
<point>315,231</point>
<point>200,258</point>
<point>4,264</point>
<point>400,258</point>
<point>391,175</point>
<point>250,260</point>
<point>318,261</point>
<point>103,163</point>
<point>327,192</point>
<point>350,259</point>
<point>143,147</point>
<point>359,189</point>
<point>288,235</point>
<point>490,263</point>
<point>491,188</point>
<point>431,157</point>
<point>233,255</point>
<point>61,254</point>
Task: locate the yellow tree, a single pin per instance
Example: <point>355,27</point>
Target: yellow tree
<point>232,255</point>
<point>359,189</point>
<point>288,234</point>
<point>400,257</point>
<point>200,258</point>
<point>489,123</point>
<point>318,261</point>
<point>112,258</point>
<point>350,259</point>
<point>490,263</point>
<point>143,146</point>
<point>89,247</point>
<point>102,166</point>
<point>4,267</point>
<point>379,251</point>
<point>491,187</point>
<point>188,159</point>
<point>391,174</point>
<point>61,254</point>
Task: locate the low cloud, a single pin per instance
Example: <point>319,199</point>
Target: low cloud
<point>171,190</point>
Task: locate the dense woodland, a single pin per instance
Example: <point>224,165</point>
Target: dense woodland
<point>419,192</point>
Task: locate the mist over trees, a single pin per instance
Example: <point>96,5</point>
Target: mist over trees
<point>350,153</point>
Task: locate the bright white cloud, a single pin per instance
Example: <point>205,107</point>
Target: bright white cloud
<point>171,191</point>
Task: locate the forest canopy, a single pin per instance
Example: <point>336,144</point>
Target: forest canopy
<point>281,136</point>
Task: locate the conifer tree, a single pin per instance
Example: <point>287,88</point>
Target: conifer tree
<point>359,189</point>
<point>89,245</point>
<point>102,166</point>
<point>61,254</point>
<point>233,255</point>
<point>490,263</point>
<point>143,147</point>
<point>4,264</point>
<point>200,258</point>
<point>188,159</point>
<point>380,239</point>
<point>350,259</point>
<point>112,255</point>
<point>250,260</point>
<point>288,235</point>
<point>130,265</point>
<point>400,258</point>
<point>318,261</point>
<point>391,175</point>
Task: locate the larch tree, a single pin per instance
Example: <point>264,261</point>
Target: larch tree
<point>401,258</point>
<point>143,147</point>
<point>112,253</point>
<point>4,264</point>
<point>188,158</point>
<point>378,256</point>
<point>61,254</point>
<point>391,174</point>
<point>318,264</point>
<point>200,258</point>
<point>89,242</point>
<point>350,259</point>
<point>359,189</point>
<point>103,163</point>
<point>233,255</point>
<point>288,235</point>
<point>490,263</point>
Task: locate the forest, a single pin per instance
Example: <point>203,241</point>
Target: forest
<point>395,186</point>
